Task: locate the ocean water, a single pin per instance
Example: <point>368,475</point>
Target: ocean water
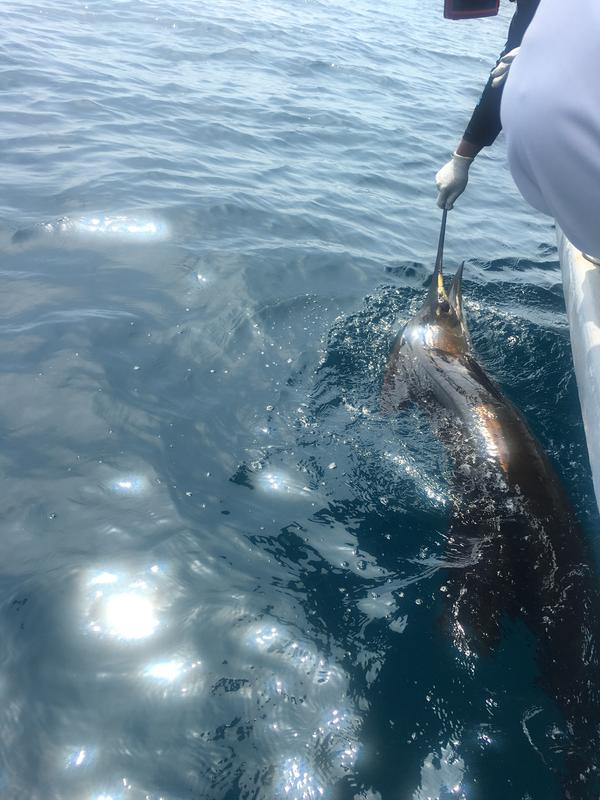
<point>219,560</point>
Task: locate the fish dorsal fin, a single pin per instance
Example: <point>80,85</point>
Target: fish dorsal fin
<point>456,301</point>
<point>455,293</point>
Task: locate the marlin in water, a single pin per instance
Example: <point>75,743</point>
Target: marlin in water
<point>516,551</point>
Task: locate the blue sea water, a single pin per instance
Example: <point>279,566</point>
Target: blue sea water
<point>220,563</point>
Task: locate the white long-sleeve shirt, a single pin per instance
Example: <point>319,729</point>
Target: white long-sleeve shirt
<point>551,117</point>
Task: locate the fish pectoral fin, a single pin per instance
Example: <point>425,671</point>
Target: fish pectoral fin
<point>395,391</point>
<point>480,593</point>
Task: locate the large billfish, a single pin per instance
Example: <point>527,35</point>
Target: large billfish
<point>516,549</point>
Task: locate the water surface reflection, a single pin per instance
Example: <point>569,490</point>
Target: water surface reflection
<point>121,606</point>
<point>221,564</point>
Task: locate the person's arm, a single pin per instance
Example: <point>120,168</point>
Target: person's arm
<point>484,125</point>
<point>467,149</point>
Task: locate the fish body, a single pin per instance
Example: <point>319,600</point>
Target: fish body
<point>515,546</point>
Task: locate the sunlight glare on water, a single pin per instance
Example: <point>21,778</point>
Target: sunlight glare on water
<point>129,485</point>
<point>121,607</point>
<point>298,783</point>
<point>281,484</point>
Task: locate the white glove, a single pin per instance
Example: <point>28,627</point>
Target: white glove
<point>500,71</point>
<point>452,179</point>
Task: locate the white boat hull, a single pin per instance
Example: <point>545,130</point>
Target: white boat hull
<point>581,285</point>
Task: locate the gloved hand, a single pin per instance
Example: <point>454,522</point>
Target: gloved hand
<point>500,71</point>
<point>452,179</point>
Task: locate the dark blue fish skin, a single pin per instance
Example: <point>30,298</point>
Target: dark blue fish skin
<point>517,549</point>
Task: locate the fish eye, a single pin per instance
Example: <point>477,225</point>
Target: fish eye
<point>444,306</point>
